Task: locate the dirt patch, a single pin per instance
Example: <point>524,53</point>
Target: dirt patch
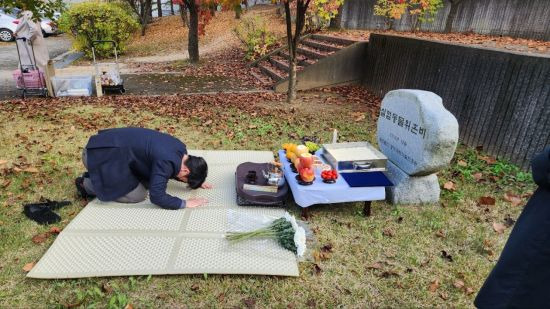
<point>166,84</point>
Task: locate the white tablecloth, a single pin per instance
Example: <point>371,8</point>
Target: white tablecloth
<point>322,193</point>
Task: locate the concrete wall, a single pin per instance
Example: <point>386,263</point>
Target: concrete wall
<point>501,99</point>
<point>344,66</point>
<point>516,18</point>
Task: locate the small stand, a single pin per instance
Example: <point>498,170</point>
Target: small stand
<point>367,209</point>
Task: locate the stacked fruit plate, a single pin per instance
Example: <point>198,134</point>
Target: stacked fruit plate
<point>329,176</point>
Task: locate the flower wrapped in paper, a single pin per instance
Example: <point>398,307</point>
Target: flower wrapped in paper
<point>284,230</point>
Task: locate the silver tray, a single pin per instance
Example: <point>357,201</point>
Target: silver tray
<point>355,157</point>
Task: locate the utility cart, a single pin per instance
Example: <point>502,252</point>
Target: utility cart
<point>30,80</point>
<point>108,72</point>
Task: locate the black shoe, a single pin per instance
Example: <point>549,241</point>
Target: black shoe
<point>79,183</point>
<point>40,213</point>
<point>54,205</point>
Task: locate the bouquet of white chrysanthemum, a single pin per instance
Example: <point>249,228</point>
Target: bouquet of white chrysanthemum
<point>285,230</point>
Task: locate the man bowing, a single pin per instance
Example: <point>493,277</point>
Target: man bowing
<point>124,163</point>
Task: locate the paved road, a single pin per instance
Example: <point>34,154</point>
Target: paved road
<point>57,45</point>
<point>8,52</point>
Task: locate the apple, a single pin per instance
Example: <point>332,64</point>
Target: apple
<point>307,174</point>
<point>298,165</point>
<point>301,149</point>
<point>306,160</point>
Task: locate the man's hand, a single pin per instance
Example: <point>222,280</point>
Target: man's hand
<point>195,202</point>
<point>207,185</point>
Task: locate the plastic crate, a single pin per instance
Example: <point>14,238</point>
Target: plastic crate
<point>31,80</point>
<point>65,86</point>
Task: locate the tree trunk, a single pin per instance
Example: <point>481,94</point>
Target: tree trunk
<point>193,47</point>
<point>172,7</point>
<point>183,15</point>
<point>238,11</point>
<point>291,94</point>
<point>336,22</point>
<point>159,8</point>
<point>144,16</point>
<point>451,16</point>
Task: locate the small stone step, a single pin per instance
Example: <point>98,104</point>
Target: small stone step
<point>333,39</point>
<point>321,46</point>
<point>311,53</point>
<point>301,59</point>
<point>279,63</point>
<point>270,71</point>
<point>265,80</point>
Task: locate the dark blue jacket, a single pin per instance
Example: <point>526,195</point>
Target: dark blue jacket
<point>521,277</point>
<point>119,159</point>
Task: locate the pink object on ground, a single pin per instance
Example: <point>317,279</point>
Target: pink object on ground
<point>32,79</point>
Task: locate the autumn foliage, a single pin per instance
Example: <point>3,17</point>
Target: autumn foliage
<point>420,10</point>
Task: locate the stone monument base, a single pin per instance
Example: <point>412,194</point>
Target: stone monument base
<point>411,189</point>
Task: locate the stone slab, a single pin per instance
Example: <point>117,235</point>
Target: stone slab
<point>416,132</point>
<point>411,189</point>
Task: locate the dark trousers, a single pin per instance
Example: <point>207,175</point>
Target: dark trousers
<point>138,194</point>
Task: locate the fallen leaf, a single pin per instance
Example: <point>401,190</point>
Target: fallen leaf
<point>129,306</point>
<point>446,256</point>
<point>5,183</point>
<point>514,199</point>
<point>488,160</point>
<point>459,284</point>
<point>40,238</point>
<point>449,185</point>
<point>31,169</point>
<point>317,269</point>
<point>28,267</point>
<point>326,248</point>
<point>462,163</point>
<point>376,265</point>
<point>434,285</point>
<point>478,176</point>
<point>249,302</point>
<point>499,227</point>
<point>440,234</point>
<point>388,232</point>
<point>508,221</point>
<point>469,291</point>
<point>487,200</point>
<point>55,230</point>
<point>2,162</point>
<point>195,287</point>
<point>107,288</point>
<point>320,256</point>
<point>443,295</point>
<point>389,273</point>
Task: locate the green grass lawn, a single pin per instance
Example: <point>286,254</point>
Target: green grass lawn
<point>393,259</point>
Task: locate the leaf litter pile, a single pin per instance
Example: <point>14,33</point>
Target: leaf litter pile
<point>433,255</point>
<point>474,39</point>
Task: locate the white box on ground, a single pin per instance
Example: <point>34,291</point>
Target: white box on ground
<point>72,85</point>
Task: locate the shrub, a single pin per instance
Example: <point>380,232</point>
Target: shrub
<point>258,40</point>
<point>89,21</point>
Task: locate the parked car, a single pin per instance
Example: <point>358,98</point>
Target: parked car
<point>9,22</point>
<point>48,26</point>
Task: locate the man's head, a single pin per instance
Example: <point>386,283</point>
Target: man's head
<point>193,171</point>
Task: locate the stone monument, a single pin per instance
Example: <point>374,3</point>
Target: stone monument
<point>419,137</point>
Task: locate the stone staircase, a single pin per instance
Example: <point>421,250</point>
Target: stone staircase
<point>272,69</point>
